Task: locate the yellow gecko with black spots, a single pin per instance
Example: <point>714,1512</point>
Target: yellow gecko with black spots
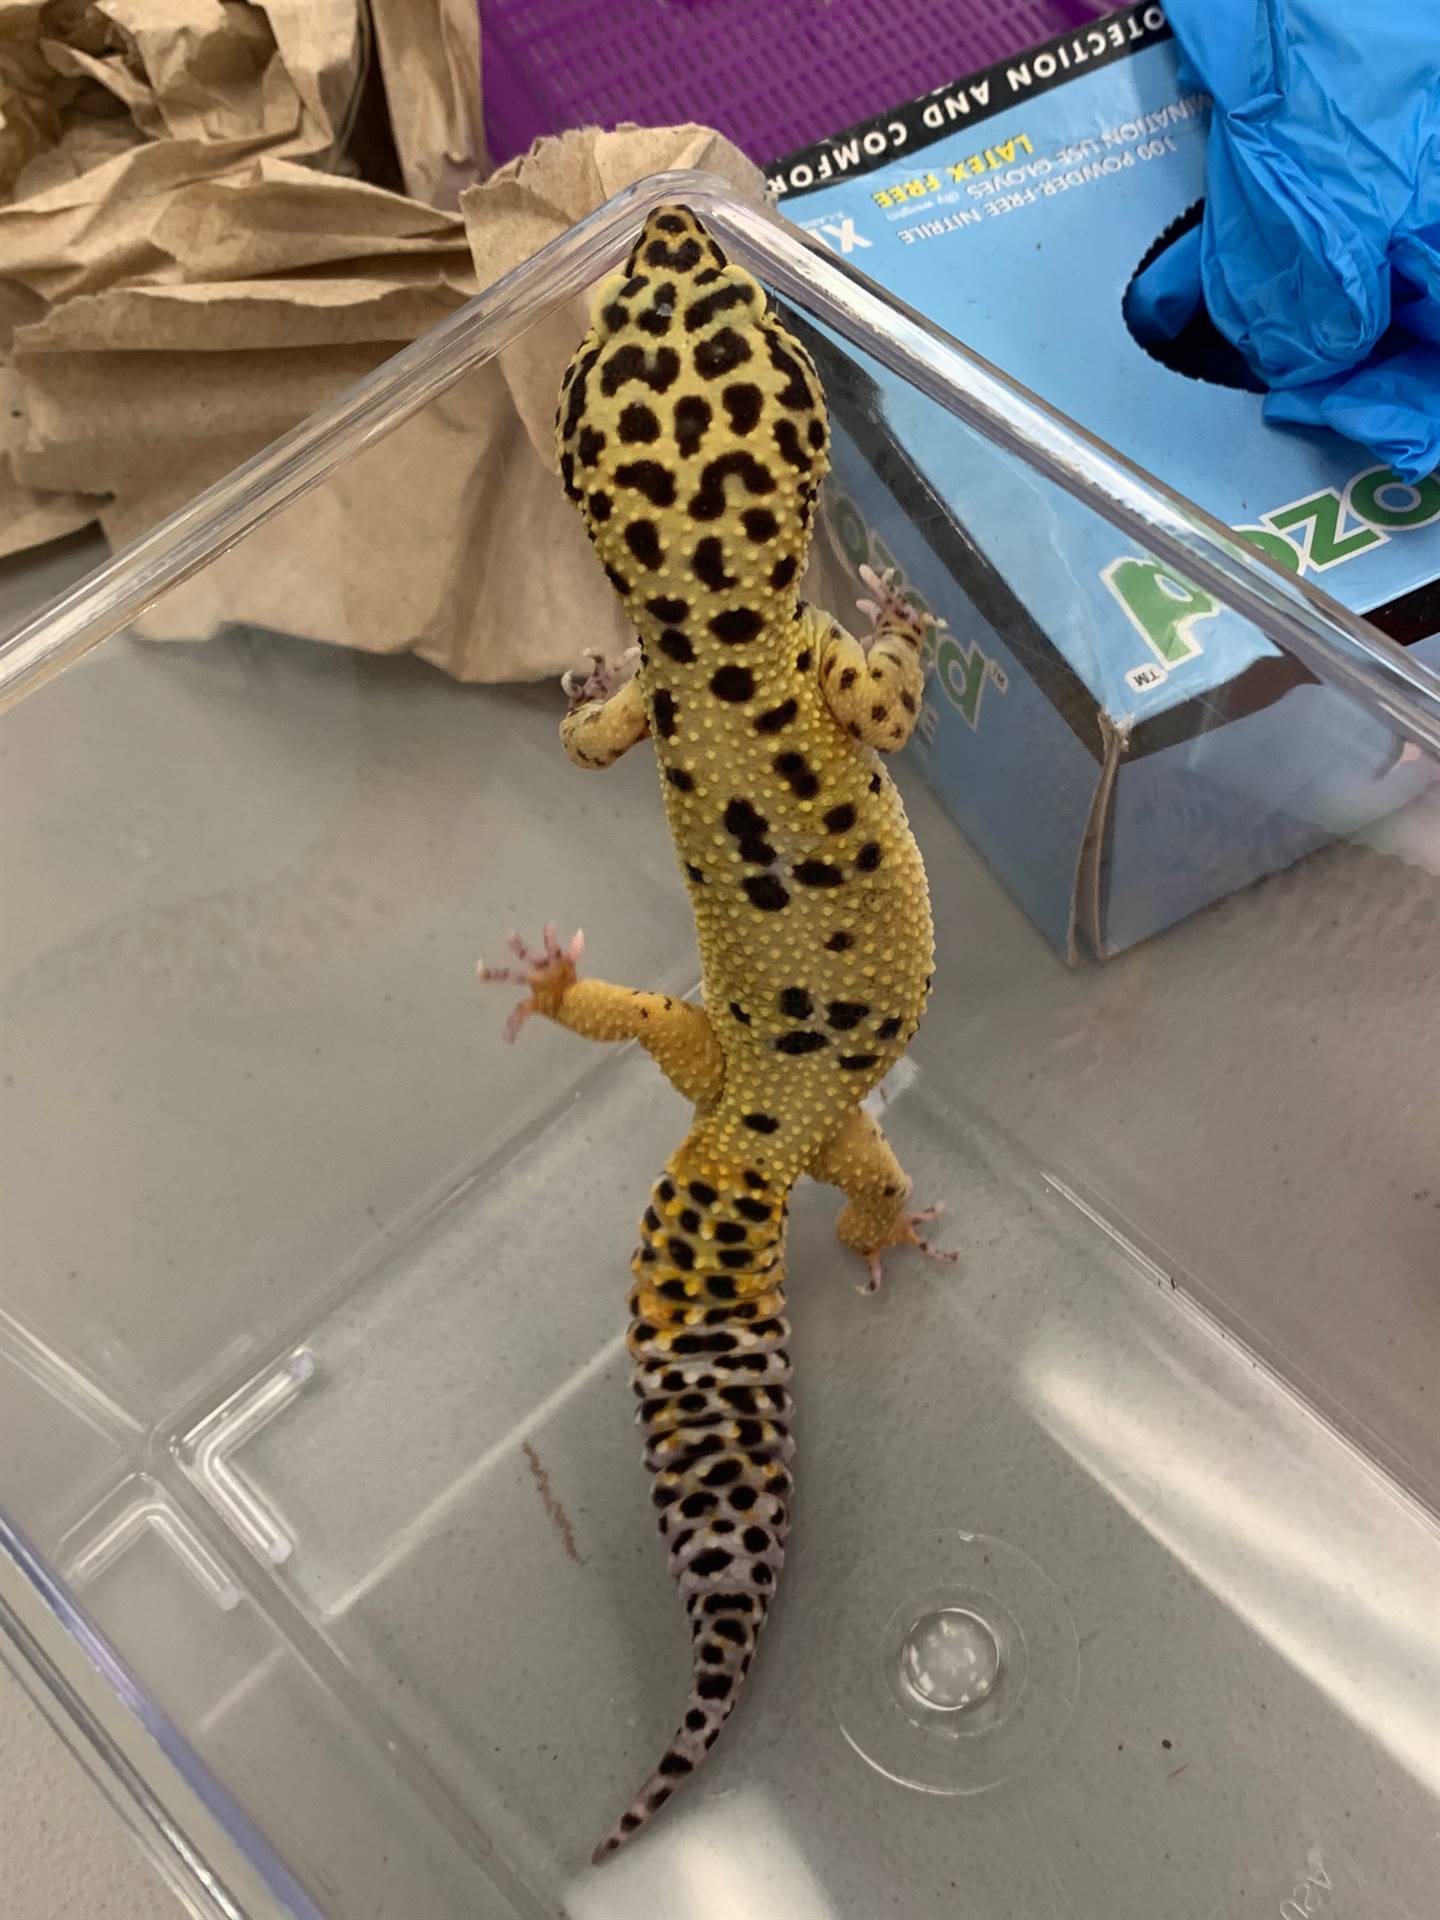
<point>693,439</point>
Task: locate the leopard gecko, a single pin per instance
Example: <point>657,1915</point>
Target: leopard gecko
<point>693,439</point>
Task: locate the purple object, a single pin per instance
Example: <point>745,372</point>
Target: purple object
<point>772,74</point>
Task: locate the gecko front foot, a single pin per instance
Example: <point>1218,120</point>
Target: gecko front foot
<point>890,612</point>
<point>602,679</point>
<point>906,1236</point>
<point>549,974</point>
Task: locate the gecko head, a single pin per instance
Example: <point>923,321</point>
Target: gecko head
<point>688,405</point>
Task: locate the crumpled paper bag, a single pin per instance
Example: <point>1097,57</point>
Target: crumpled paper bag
<point>206,285</point>
<point>108,109</point>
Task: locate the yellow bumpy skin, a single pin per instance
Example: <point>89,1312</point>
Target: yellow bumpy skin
<point>693,441</point>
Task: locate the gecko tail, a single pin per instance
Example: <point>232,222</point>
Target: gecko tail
<point>712,1376</point>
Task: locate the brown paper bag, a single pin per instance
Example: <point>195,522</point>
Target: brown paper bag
<point>107,110</point>
<point>429,52</point>
<point>197,291</point>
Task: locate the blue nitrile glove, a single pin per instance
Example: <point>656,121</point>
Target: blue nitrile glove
<point>1322,185</point>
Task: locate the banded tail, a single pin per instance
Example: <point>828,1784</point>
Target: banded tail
<point>707,1336</point>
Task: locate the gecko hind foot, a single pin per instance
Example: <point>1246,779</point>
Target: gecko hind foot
<point>602,679</point>
<point>891,612</point>
<point>907,1237</point>
<point>549,973</point>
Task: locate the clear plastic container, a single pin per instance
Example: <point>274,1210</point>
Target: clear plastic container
<point>314,1434</point>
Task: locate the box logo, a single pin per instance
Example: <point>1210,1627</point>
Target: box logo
<point>1307,536</point>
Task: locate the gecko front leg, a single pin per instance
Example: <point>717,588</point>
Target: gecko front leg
<point>607,713</point>
<point>873,686</point>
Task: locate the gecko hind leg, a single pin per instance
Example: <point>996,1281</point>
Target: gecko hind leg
<point>861,1162</point>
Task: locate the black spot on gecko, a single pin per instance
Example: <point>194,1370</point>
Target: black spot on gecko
<point>796,393</point>
<point>732,683</point>
<point>739,1013</point>
<point>599,505</point>
<point>840,819</point>
<point>730,1231</point>
<point>749,828</point>
<point>670,223</point>
<point>818,873</point>
<point>756,1210</point>
<point>761,1123</point>
<point>694,873</point>
<point>637,424</point>
<point>845,1014</point>
<point>650,478</point>
<point>665,608</point>
<point>760,524</point>
<point>590,445</point>
<point>848,679</point>
<point>617,580</point>
<point>665,710</point>
<point>677,646</point>
<point>742,402</point>
<point>681,1252</point>
<point>735,626</point>
<point>794,770</point>
<point>629,363</point>
<point>637,283</point>
<point>702,1192</point>
<point>875,783</point>
<point>788,441</point>
<point>709,502</point>
<point>575,405</point>
<point>721,354</point>
<point>888,1029</point>
<point>840,942</point>
<point>765,892</point>
<point>679,259</point>
<point>734,1257</point>
<point>643,540</point>
<point>692,418</point>
<point>775,719</point>
<point>754,1179</point>
<point>690,1222</point>
<point>680,779</point>
<point>708,565</point>
<point>857,1062</point>
<point>869,856</point>
<point>656,318</point>
<point>701,312</point>
<point>796,1004</point>
<point>801,1042</point>
<point>784,571</point>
